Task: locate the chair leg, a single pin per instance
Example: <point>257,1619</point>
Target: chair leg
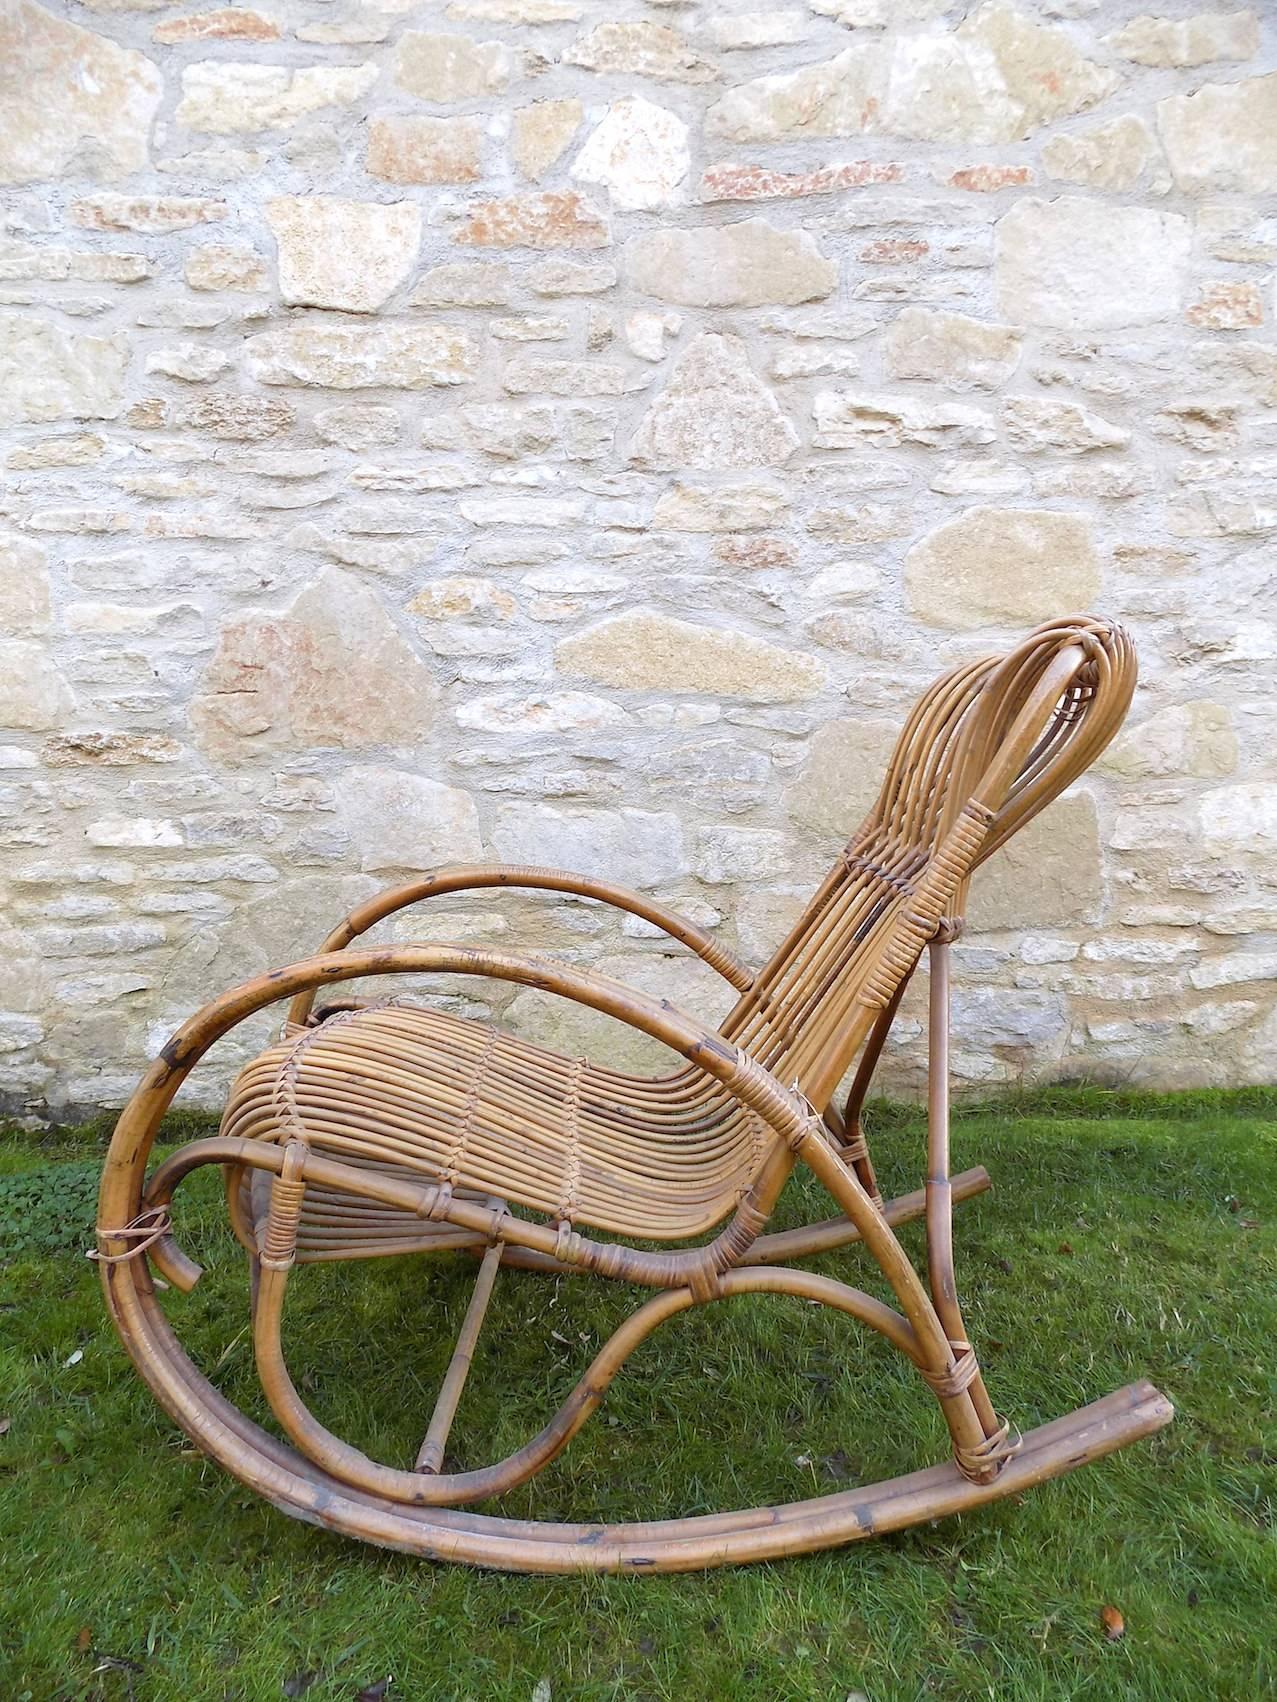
<point>855,1148</point>
<point>946,1369</point>
<point>430,1454</point>
<point>939,1209</point>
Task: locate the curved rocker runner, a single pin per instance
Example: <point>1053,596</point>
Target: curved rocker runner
<point>380,1127</point>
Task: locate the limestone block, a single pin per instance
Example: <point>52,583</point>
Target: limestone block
<point>997,78</point>
<point>425,150</point>
<point>638,153</point>
<point>1002,565</point>
<point>639,848</point>
<point>842,775</point>
<point>351,255</point>
<point>557,219</point>
<point>73,101</point>
<point>1187,42</point>
<point>1083,264</point>
<point>332,671</point>
<point>401,820</point>
<point>951,349</point>
<point>748,264</point>
<point>641,49</point>
<point>47,373</point>
<point>714,413</point>
<point>449,68</point>
<point>1223,138</point>
<point>225,97</point>
<point>409,356</point>
<point>1049,874</point>
<point>645,651</point>
<point>542,133</point>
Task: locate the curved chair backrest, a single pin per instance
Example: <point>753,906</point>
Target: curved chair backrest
<point>987,747</point>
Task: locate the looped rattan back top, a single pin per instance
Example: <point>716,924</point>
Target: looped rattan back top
<point>986,748</point>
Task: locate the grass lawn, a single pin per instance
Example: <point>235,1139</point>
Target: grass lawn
<point>1126,1235</point>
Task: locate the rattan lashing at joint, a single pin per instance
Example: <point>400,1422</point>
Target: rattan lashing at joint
<point>984,1460</point>
<point>957,1378</point>
<point>143,1232</point>
<point>287,1191</point>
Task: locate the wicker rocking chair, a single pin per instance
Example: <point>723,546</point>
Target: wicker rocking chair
<point>379,1128</point>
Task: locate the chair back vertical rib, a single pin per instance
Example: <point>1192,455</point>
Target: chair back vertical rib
<point>986,748</point>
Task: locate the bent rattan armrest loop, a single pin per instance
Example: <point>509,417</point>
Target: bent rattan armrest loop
<point>742,1076</point>
<point>465,877</point>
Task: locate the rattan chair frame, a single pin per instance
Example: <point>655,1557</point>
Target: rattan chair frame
<point>372,1128</point>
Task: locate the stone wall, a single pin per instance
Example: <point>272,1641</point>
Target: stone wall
<point>571,432</point>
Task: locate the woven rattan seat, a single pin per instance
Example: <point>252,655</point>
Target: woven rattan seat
<point>373,1127</point>
<point>658,1158</point>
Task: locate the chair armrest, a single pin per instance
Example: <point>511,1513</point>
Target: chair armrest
<point>472,877</point>
<point>790,1118</point>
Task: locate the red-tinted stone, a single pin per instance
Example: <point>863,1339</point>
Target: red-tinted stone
<point>230,24</point>
<point>891,250</point>
<point>562,219</point>
<point>1227,307</point>
<point>729,182</point>
<point>985,179</point>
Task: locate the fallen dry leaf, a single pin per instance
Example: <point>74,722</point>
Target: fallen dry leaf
<point>1113,1623</point>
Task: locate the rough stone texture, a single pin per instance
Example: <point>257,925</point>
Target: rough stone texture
<point>1110,156</point>
<point>1050,874</point>
<point>1227,307</point>
<point>720,508</point>
<point>73,101</point>
<point>542,132</point>
<point>742,265</point>
<point>47,373</point>
<point>447,68</point>
<point>415,445</point>
<point>24,587</point>
<point>951,349</point>
<point>1180,42</point>
<point>1197,739</point>
<point>217,266</point>
<point>841,776</point>
<point>638,153</point>
<point>846,419</point>
<point>154,215</point>
<point>562,220</point>
<point>351,255</point>
<point>1048,563</point>
<point>729,182</point>
<point>644,651</point>
<point>402,357</point>
<point>400,820</point>
<point>425,150</point>
<point>33,695</point>
<point>233,23</point>
<point>1223,138</point>
<point>1037,424</point>
<point>997,78</point>
<point>642,49</point>
<point>224,97</point>
<point>637,847</point>
<point>1079,263</point>
<point>714,414</point>
<point>332,671</point>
